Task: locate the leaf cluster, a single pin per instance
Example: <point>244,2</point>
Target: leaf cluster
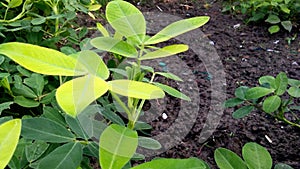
<point>277,13</point>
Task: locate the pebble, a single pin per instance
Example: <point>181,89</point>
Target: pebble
<point>236,26</point>
<point>295,63</point>
<point>212,43</point>
<point>164,116</point>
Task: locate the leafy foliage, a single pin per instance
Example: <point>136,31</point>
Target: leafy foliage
<point>277,13</point>
<point>268,97</point>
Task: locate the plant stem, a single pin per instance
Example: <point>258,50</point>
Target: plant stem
<point>55,10</point>
<point>116,97</point>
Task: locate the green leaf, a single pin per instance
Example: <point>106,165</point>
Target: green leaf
<point>282,166</point>
<point>9,137</point>
<point>281,82</point>
<point>135,89</point>
<point>23,101</point>
<point>115,46</point>
<point>142,126</point>
<point>233,102</point>
<point>38,21</point>
<point>76,127</point>
<point>42,60</point>
<point>294,91</point>
<point>227,159</point>
<point>68,155</point>
<point>267,80</point>
<point>75,95</point>
<point>5,105</point>
<point>127,20</point>
<point>35,150</point>
<point>258,92</point>
<point>242,112</point>
<point>169,75</point>
<point>149,143</point>
<point>240,92</point>
<point>285,9</point>
<point>54,115</point>
<point>23,71</point>
<point>256,156</point>
<point>273,19</point>
<point>164,163</point>
<point>287,25</point>
<point>117,146</point>
<point>101,28</point>
<point>271,104</point>
<point>46,130</point>
<point>36,82</point>
<point>165,52</point>
<point>173,92</point>
<point>177,28</point>
<point>93,62</point>
<point>14,3</point>
<point>294,82</point>
<point>274,29</point>
<point>112,116</point>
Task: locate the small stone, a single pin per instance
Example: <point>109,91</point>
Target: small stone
<point>164,116</point>
<point>276,42</point>
<point>295,63</point>
<point>236,26</point>
<point>212,43</point>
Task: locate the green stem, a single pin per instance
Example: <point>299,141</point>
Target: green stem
<point>290,123</point>
<point>5,15</point>
<point>116,97</point>
<point>55,11</point>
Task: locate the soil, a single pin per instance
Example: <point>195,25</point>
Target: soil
<point>247,52</point>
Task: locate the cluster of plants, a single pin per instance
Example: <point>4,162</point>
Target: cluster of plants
<point>52,101</point>
<point>277,13</point>
<point>276,96</point>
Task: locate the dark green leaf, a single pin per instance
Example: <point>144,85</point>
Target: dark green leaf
<point>76,127</point>
<point>23,101</point>
<point>271,104</point>
<point>173,92</point>
<point>112,116</point>
<point>35,150</point>
<point>38,21</point>
<point>169,75</point>
<point>256,156</point>
<point>226,159</point>
<point>36,82</point>
<point>5,105</point>
<point>53,114</point>
<point>233,102</point>
<point>142,126</point>
<point>46,130</point>
<point>68,155</point>
<point>282,166</point>
<point>92,149</point>
<point>267,80</point>
<point>23,71</point>
<point>242,112</point>
<point>287,25</point>
<point>258,92</point>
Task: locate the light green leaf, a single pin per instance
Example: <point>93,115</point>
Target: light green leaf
<point>68,155</point>
<point>115,46</point>
<point>45,130</point>
<point>35,150</point>
<point>258,92</point>
<point>294,82</point>
<point>75,95</point>
<point>281,83</point>
<point>42,60</point>
<point>242,112</point>
<point>282,166</point>
<point>256,156</point>
<point>177,28</point>
<point>5,105</point>
<point>14,3</point>
<point>165,52</point>
<point>103,30</point>
<point>169,75</point>
<point>287,25</point>
<point>38,21</point>
<point>23,101</point>
<point>240,92</point>
<point>274,29</point>
<point>164,163</point>
<point>149,143</point>
<point>267,80</point>
<point>227,159</point>
<point>173,92</point>
<point>127,20</point>
<point>285,9</point>
<point>117,145</point>
<point>93,63</point>
<point>294,91</point>
<point>9,137</point>
<point>273,19</point>
<point>271,104</point>
<point>233,102</point>
<point>135,89</point>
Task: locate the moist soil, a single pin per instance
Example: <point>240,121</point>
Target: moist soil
<point>247,52</point>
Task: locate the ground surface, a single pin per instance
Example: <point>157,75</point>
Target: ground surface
<point>246,52</point>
